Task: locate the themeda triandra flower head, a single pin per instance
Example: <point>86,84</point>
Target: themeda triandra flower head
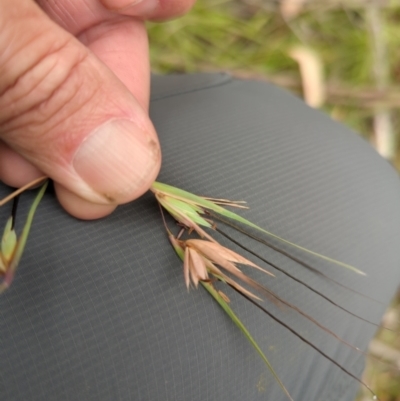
<point>202,258</point>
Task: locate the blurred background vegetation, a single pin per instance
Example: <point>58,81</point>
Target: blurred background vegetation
<point>342,56</point>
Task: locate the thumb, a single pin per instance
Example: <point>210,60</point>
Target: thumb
<point>67,114</point>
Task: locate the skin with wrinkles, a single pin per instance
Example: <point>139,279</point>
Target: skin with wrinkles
<point>68,67</point>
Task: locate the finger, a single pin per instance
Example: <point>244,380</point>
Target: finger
<point>120,42</point>
<point>79,207</point>
<point>114,40</point>
<point>122,45</point>
<point>67,114</point>
<point>77,15</point>
<point>113,33</point>
<point>158,10</point>
<point>123,48</point>
<point>16,171</point>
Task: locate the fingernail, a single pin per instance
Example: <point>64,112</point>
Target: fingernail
<point>117,161</point>
<point>139,7</point>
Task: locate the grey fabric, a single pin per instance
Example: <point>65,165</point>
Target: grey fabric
<point>99,310</point>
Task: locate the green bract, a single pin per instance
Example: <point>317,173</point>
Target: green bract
<point>9,241</point>
<point>11,248</point>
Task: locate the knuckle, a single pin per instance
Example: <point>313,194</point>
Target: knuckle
<point>48,95</point>
<point>50,80</point>
<point>40,70</point>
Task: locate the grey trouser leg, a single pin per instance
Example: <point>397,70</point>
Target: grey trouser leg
<point>99,310</point>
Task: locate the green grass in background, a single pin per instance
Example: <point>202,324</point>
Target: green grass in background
<point>253,39</point>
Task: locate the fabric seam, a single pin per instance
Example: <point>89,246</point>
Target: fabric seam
<point>227,79</point>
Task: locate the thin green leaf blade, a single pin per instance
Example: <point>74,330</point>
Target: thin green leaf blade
<point>228,310</point>
<point>178,249</point>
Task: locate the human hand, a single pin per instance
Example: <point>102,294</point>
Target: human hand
<point>74,94</point>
